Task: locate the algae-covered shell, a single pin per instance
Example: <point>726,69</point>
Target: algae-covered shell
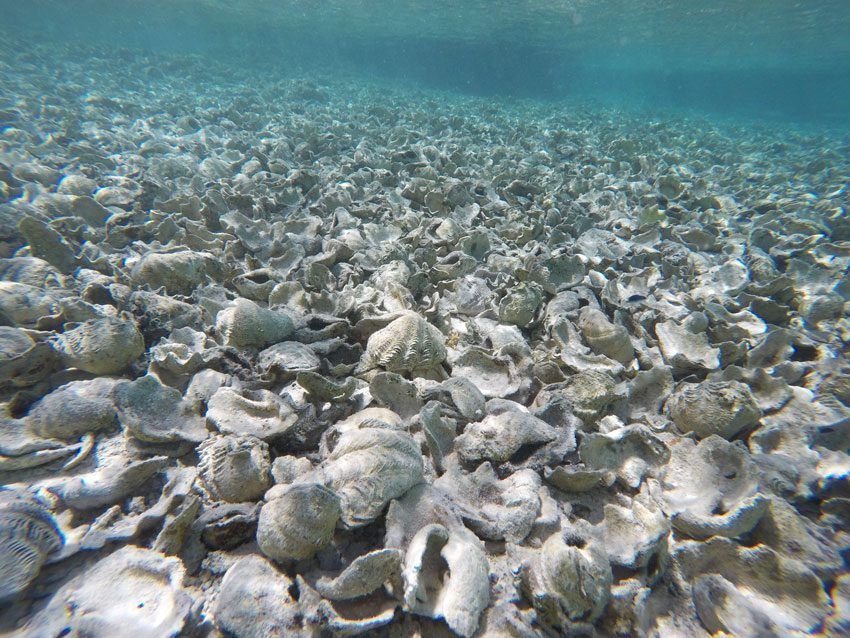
<point>247,324</point>
<point>589,393</point>
<point>605,337</point>
<point>157,413</point>
<point>297,521</point>
<point>25,304</point>
<point>520,305</point>
<point>24,362</point>
<point>234,468</point>
<point>407,344</point>
<point>568,580</point>
<point>28,535</point>
<point>713,407</point>
<point>74,409</point>
<point>178,272</point>
<point>100,346</point>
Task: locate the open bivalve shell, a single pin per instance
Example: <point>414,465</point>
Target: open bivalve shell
<point>368,468</point>
<point>131,588</point>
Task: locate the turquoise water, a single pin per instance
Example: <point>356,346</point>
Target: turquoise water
<point>762,59</point>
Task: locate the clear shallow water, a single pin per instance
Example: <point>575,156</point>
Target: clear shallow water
<point>683,167</point>
<point>780,60</point>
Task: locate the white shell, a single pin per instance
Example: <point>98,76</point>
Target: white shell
<point>711,488</point>
<point>495,509</point>
<point>259,413</point>
<point>255,601</point>
<point>785,590</point>
<point>685,351</point>
<point>368,468</point>
<point>144,591</point>
<point>446,576</point>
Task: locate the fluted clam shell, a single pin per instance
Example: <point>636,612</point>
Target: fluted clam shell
<point>28,535</point>
<point>408,343</point>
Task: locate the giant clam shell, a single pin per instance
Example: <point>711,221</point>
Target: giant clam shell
<point>635,537</point>
<point>234,468</point>
<point>589,393</point>
<point>156,413</point>
<point>100,346</point>
<point>131,588</point>
<point>31,271</point>
<point>28,535</point>
<point>520,305</point>
<point>255,601</point>
<point>499,436</point>
<point>108,485</point>
<point>24,362</point>
<point>368,468</point>
<point>685,351</point>
<point>713,407</point>
<point>757,578</point>
<point>364,575</point>
<point>496,509</point>
<point>604,337</point>
<point>74,409</point>
<point>568,580</point>
<point>247,324</point>
<point>25,304</point>
<point>286,359</point>
<point>258,413</point>
<point>446,576</point>
<point>297,521</point>
<point>494,376</point>
<point>407,344</point>
<point>178,272</point>
<point>711,488</point>
<point>631,452</point>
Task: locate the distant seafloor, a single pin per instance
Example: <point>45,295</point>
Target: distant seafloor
<point>778,60</point>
